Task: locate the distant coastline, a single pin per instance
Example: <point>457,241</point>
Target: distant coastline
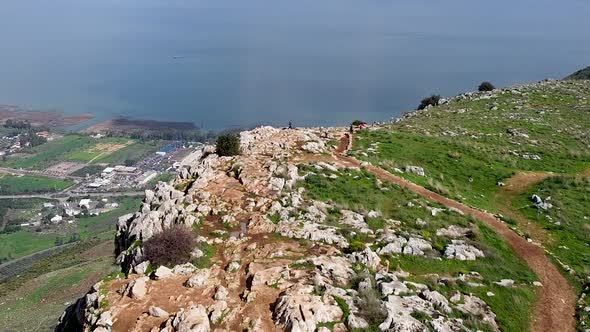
<point>127,124</point>
<point>42,118</point>
<point>55,119</point>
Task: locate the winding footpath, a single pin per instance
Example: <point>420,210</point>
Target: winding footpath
<point>556,301</point>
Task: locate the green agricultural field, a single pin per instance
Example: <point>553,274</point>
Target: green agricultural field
<point>98,149</point>
<point>40,157</point>
<point>360,191</point>
<point>10,184</point>
<point>133,152</point>
<point>22,243</point>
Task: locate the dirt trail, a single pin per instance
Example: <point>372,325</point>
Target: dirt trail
<point>556,303</point>
<point>516,186</point>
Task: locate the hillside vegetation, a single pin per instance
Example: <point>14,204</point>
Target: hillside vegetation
<point>469,147</point>
<point>582,74</point>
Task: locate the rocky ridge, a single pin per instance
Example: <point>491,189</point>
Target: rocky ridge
<point>282,265</point>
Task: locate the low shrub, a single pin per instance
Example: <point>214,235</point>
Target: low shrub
<point>228,145</point>
<point>171,247</point>
<point>486,86</point>
<point>429,101</point>
<point>370,307</point>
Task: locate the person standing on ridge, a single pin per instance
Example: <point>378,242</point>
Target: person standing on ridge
<point>290,125</point>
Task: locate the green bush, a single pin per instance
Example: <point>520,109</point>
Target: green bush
<point>228,145</point>
<point>486,86</point>
<point>429,101</point>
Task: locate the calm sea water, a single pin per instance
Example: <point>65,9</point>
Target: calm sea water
<point>222,63</point>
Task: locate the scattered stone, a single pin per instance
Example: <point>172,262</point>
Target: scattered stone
<point>199,279</point>
<point>415,170</point>
<point>158,312</point>
<point>233,267</point>
<point>458,249</point>
<point>163,272</point>
<point>221,293</point>
<point>139,288</point>
<point>184,269</point>
<point>505,283</point>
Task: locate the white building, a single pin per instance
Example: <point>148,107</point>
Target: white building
<point>84,203</point>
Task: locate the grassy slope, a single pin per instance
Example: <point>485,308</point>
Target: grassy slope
<point>50,284</point>
<point>22,243</point>
<point>465,153</point>
<point>570,197</point>
<point>455,147</point>
<point>582,74</point>
<point>10,184</point>
<point>512,306</point>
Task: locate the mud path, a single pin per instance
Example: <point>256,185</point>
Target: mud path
<point>555,308</point>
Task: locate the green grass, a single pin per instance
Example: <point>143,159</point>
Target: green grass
<point>90,226</point>
<point>162,177</point>
<point>467,146</point>
<point>135,152</point>
<point>25,242</point>
<point>40,157</point>
<point>22,243</point>
<point>570,197</point>
<point>90,170</point>
<point>360,191</point>
<point>93,150</point>
<point>468,165</point>
<point>10,184</point>
<point>47,294</point>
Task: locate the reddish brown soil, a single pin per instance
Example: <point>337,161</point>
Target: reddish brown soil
<point>556,303</point>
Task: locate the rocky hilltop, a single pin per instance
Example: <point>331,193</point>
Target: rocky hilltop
<point>270,257</point>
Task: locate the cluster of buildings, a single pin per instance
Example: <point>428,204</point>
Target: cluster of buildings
<point>56,213</point>
<point>120,176</point>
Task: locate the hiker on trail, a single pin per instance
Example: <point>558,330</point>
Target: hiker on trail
<point>290,125</point>
<point>351,129</point>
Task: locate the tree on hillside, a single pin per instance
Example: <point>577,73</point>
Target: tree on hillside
<point>228,144</point>
<point>486,86</point>
<point>429,101</point>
